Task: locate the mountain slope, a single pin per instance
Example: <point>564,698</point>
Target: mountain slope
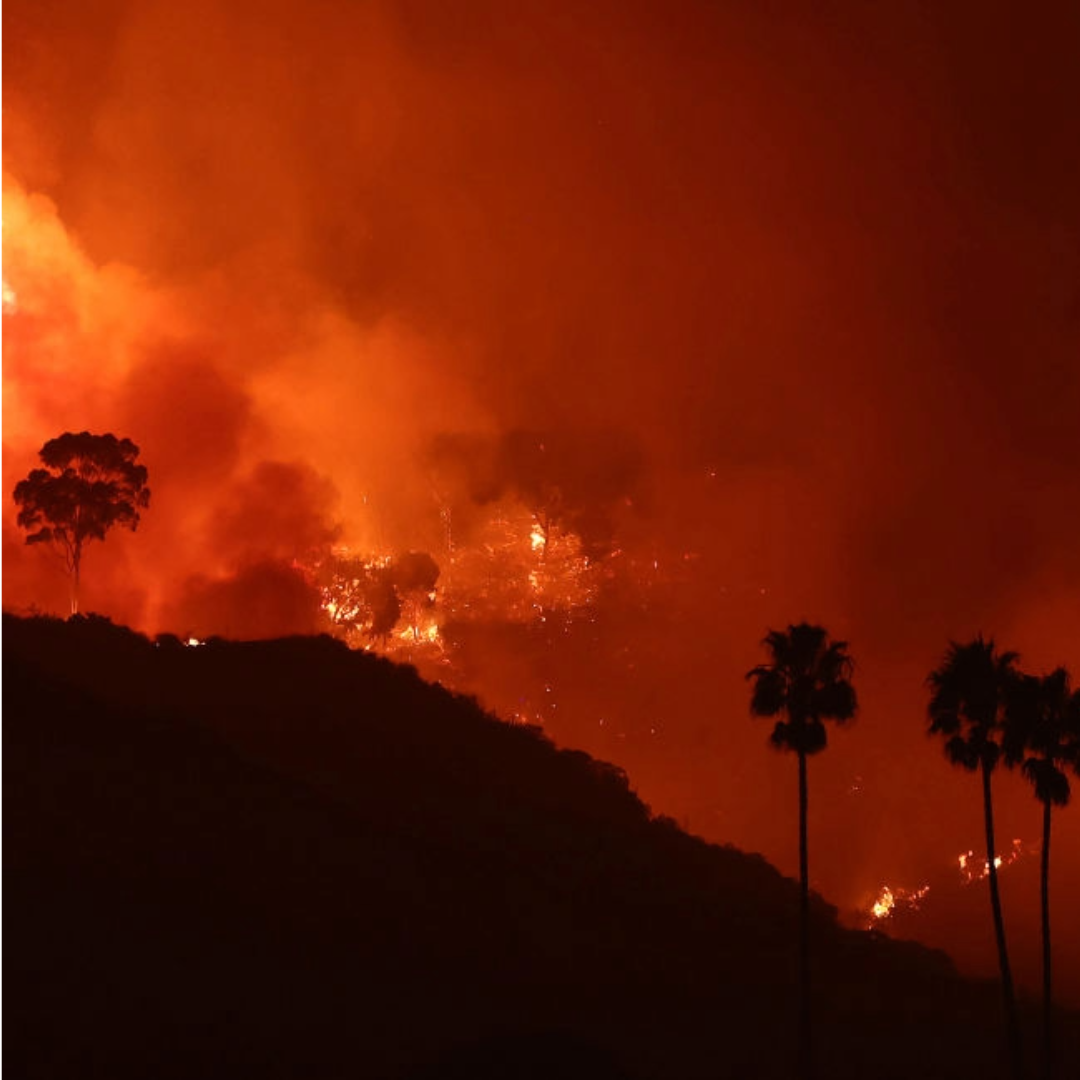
<point>286,859</point>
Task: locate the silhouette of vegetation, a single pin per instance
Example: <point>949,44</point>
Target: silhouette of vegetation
<point>969,695</point>
<point>1042,734</point>
<point>414,577</point>
<point>365,600</point>
<point>261,599</point>
<point>90,483</point>
<point>286,858</point>
<point>807,681</point>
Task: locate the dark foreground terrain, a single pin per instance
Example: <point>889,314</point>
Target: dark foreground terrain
<point>284,859</point>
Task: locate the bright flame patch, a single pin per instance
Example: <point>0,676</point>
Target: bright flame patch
<point>891,900</point>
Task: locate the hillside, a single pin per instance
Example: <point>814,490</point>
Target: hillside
<point>288,859</point>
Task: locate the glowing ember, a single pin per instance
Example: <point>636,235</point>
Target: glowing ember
<point>10,300</point>
<point>884,904</point>
<point>536,538</point>
<point>972,868</point>
<point>891,900</point>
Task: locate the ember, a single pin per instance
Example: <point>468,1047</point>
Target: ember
<point>891,900</point>
<point>975,868</point>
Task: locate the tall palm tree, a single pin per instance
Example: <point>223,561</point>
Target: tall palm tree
<point>807,682</point>
<point>968,697</point>
<point>1042,732</point>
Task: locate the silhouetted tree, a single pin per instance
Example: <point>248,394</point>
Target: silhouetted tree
<point>807,681</point>
<point>414,576</point>
<point>359,596</point>
<point>1042,732</point>
<point>969,693</point>
<point>89,484</point>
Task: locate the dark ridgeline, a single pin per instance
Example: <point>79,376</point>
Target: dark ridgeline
<point>969,693</point>
<point>1042,734</point>
<point>806,680</point>
<point>285,859</point>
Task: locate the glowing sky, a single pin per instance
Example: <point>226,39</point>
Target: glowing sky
<point>820,270</point>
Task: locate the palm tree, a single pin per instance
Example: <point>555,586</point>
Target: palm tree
<point>1042,732</point>
<point>806,681</point>
<point>968,697</point>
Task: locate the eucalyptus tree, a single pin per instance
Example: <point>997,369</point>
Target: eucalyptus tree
<point>89,484</point>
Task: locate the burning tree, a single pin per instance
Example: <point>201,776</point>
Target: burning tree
<point>413,576</point>
<point>90,483</point>
<point>368,597</point>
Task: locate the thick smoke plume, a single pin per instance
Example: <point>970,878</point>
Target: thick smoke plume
<point>794,300</point>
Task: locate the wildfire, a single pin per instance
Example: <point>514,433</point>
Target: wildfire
<point>974,869</point>
<point>884,904</point>
<point>416,634</point>
<point>890,900</point>
<point>10,300</point>
<point>512,571</point>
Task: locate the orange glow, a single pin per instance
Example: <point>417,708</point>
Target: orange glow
<point>884,904</point>
<point>499,576</point>
<point>889,900</point>
<point>973,868</point>
<point>327,246</point>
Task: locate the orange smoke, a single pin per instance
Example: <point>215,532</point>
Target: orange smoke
<point>813,279</point>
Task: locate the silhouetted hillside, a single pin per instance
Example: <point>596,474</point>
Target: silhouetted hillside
<point>286,859</point>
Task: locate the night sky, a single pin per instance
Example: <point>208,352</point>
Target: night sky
<point>819,270</point>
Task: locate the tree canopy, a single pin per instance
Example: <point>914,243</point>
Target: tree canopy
<point>89,484</point>
<point>968,695</point>
<point>808,682</point>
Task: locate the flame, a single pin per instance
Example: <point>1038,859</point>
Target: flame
<point>420,634</point>
<point>890,900</point>
<point>884,904</point>
<point>973,869</point>
<point>501,575</point>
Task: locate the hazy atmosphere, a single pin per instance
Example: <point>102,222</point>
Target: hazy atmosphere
<point>786,304</point>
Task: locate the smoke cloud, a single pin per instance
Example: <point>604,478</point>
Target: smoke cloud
<point>794,300</point>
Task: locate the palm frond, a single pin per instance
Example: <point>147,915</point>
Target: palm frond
<point>769,695</point>
<point>970,695</point>
<point>1050,783</point>
<point>837,700</point>
<point>807,681</point>
<point>811,738</point>
<point>781,736</point>
<point>960,752</point>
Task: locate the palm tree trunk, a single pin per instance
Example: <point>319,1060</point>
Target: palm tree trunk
<point>1048,1039</point>
<point>1008,996</point>
<point>806,1066</point>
